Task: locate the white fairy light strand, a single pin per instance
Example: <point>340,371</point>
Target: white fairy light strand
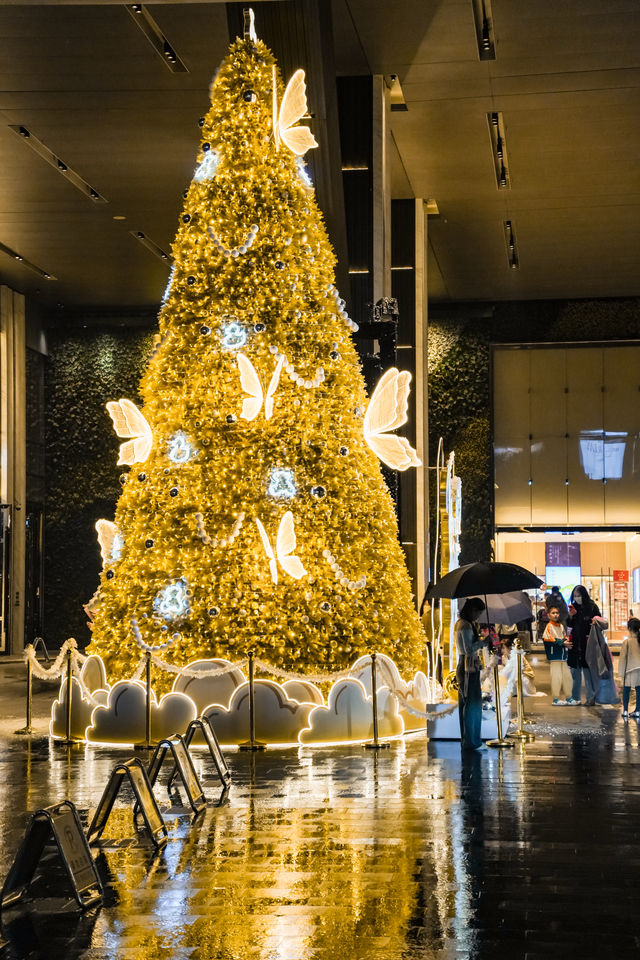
<point>218,541</point>
<point>235,251</point>
<point>148,648</point>
<point>340,575</point>
<point>341,305</point>
<point>187,672</point>
<point>292,373</point>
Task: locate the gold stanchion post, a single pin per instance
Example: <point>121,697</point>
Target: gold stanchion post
<point>375,743</point>
<point>67,729</point>
<point>252,744</point>
<point>520,734</point>
<point>28,729</point>
<point>500,741</point>
<point>147,713</point>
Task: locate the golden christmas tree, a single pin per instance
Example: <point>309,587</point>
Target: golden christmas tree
<point>254,513</point>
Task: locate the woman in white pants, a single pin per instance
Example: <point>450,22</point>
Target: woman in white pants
<point>556,647</point>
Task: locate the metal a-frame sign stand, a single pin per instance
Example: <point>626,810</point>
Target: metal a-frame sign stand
<point>203,724</point>
<point>132,770</point>
<point>182,766</point>
<point>61,824</point>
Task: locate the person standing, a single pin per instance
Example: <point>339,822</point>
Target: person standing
<point>582,610</point>
<point>557,600</point>
<point>629,667</point>
<point>556,647</point>
<point>468,643</point>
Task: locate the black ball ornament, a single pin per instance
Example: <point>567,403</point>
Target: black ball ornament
<point>319,492</point>
<point>230,418</point>
<point>334,355</point>
<point>201,122</point>
<point>249,96</point>
<point>142,477</point>
<point>110,574</point>
<point>205,330</point>
<point>259,327</point>
<point>279,265</point>
<point>213,611</point>
<point>191,281</point>
<point>206,147</point>
<point>148,544</point>
<point>173,492</point>
<point>186,217</point>
<point>343,451</point>
<point>123,478</point>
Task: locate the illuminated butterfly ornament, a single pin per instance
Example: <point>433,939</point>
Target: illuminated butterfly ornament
<point>285,545</point>
<point>128,421</point>
<point>387,410</point>
<point>110,540</point>
<point>292,109</point>
<point>252,385</point>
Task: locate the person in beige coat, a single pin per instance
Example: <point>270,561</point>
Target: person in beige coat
<point>629,667</point>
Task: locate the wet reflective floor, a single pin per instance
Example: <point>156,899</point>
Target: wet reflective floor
<point>408,854</point>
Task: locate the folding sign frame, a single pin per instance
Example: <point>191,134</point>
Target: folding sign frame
<point>133,770</point>
<point>182,765</point>
<point>61,824</point>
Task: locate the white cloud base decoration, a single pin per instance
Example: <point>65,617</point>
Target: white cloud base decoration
<point>293,712</point>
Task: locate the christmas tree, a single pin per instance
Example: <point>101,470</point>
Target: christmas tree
<point>254,513</point>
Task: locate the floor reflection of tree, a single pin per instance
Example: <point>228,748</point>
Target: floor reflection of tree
<point>364,870</point>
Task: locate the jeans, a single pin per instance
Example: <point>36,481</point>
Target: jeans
<point>469,708</point>
<point>578,673</point>
<point>626,693</point>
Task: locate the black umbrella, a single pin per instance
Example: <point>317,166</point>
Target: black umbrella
<point>482,578</point>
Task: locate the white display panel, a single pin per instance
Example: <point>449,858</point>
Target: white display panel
<point>566,435</point>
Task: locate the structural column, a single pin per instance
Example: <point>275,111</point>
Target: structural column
<point>13,462</point>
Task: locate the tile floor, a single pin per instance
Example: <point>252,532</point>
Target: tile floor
<point>410,854</point>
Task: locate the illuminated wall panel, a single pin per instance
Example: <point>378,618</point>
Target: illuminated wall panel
<point>567,435</point>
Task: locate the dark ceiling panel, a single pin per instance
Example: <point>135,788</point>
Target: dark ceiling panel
<point>566,79</point>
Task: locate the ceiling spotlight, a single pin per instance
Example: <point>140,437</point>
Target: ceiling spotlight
<point>499,149</point>
<point>485,36</point>
<point>512,249</point>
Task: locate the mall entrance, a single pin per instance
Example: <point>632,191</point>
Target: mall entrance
<point>607,563</point>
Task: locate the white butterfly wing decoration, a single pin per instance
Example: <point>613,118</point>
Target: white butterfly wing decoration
<point>268,549</point>
<point>285,545</point>
<point>251,384</point>
<point>387,411</point>
<point>128,421</point>
<point>107,532</point>
<point>292,109</point>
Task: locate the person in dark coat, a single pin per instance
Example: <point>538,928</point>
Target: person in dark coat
<point>468,644</point>
<point>582,610</point>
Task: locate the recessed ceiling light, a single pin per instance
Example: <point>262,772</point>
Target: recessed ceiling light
<point>119,217</point>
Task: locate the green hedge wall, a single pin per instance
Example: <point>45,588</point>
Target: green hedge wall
<point>85,369</point>
<point>459,347</point>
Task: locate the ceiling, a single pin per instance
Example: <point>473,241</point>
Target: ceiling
<point>85,81</point>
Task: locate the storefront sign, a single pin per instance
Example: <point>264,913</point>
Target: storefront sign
<point>620,599</point>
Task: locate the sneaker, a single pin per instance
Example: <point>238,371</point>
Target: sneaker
<point>570,702</point>
<point>635,714</point>
<point>625,714</point>
<point>559,703</point>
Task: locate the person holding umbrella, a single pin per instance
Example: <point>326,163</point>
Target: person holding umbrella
<point>468,643</point>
